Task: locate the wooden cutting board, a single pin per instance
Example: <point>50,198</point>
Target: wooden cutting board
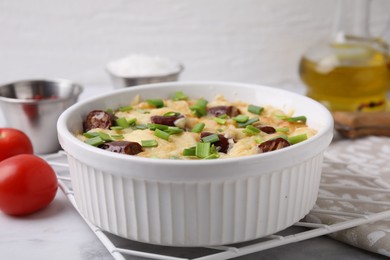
<point>359,124</point>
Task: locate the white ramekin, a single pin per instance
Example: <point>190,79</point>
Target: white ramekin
<point>196,202</point>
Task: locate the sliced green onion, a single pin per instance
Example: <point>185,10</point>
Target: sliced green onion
<point>126,108</point>
<point>179,95</point>
<point>110,111</point>
<point>173,130</point>
<point>200,107</point>
<point>104,136</point>
<point>201,102</point>
<point>210,138</point>
<point>161,134</point>
<point>251,130</point>
<point>171,113</point>
<point>202,150</point>
<point>249,122</point>
<point>281,117</point>
<point>213,149</point>
<point>241,118</point>
<point>219,121</point>
<point>132,121</point>
<point>149,143</point>
<point>219,130</point>
<point>116,128</point>
<point>297,138</point>
<point>122,122</point>
<point>212,156</point>
<point>255,109</point>
<point>258,140</point>
<point>157,103</point>
<point>297,119</point>
<point>282,129</point>
<point>90,134</point>
<point>95,141</point>
<point>141,127</point>
<point>117,137</point>
<point>224,116</point>
<point>157,126</point>
<point>198,128</point>
<point>189,151</point>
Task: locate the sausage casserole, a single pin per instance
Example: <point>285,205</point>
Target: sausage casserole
<point>184,128</point>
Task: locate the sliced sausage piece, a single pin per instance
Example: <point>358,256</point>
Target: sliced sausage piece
<point>222,145</point>
<point>125,147</point>
<point>98,119</point>
<point>165,120</point>
<point>217,111</point>
<point>267,129</point>
<point>272,145</point>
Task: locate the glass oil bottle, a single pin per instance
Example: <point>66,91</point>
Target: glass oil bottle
<point>350,72</point>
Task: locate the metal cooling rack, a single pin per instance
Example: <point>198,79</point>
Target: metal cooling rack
<point>121,248</point>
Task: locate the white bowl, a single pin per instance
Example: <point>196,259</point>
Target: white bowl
<point>196,202</point>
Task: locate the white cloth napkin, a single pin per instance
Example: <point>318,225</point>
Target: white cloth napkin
<point>369,156</point>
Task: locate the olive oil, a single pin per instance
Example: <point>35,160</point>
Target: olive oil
<point>347,76</point>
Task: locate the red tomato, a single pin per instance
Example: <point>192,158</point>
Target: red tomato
<point>14,142</point>
<point>27,184</point>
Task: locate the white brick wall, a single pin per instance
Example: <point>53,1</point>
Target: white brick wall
<point>258,41</point>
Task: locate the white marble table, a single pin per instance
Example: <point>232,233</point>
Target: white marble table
<point>59,232</point>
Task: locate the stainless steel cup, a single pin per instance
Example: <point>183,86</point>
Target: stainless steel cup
<point>34,106</point>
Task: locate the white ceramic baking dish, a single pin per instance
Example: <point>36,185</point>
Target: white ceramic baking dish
<point>196,202</point>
